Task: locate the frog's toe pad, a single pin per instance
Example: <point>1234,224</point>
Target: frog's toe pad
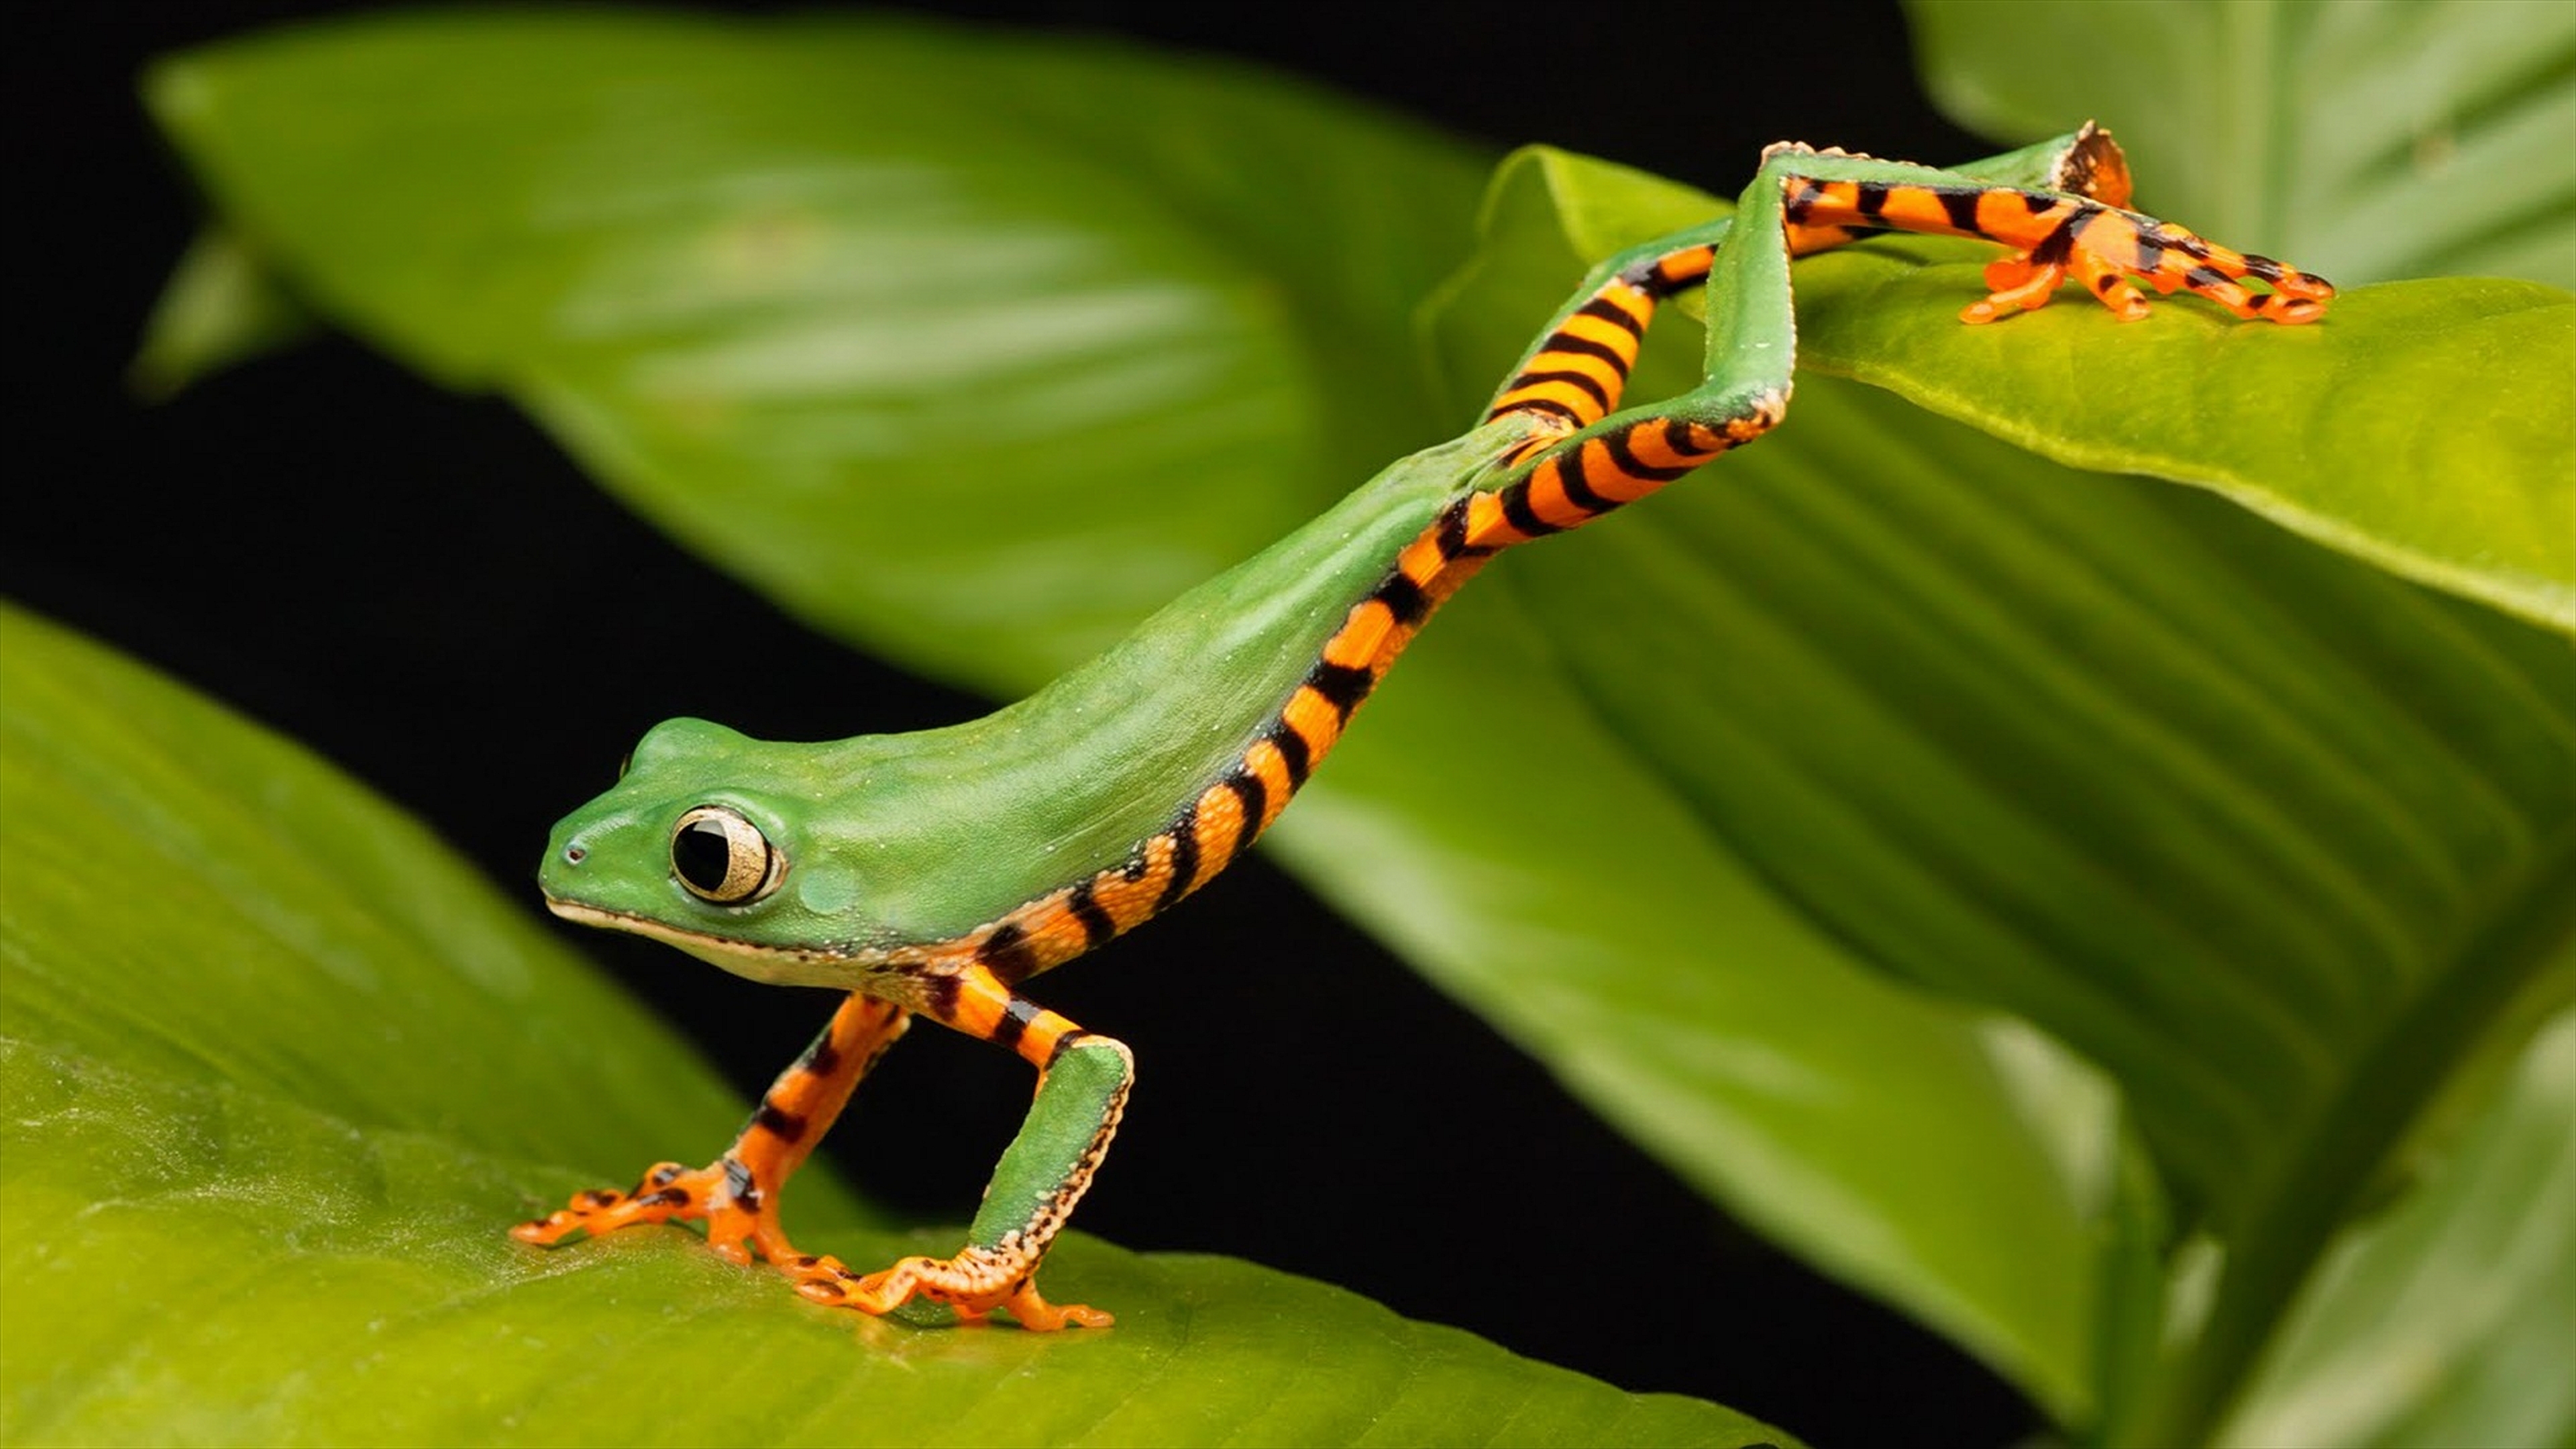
<point>659,1196</point>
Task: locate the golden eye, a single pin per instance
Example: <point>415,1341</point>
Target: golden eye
<point>721,857</point>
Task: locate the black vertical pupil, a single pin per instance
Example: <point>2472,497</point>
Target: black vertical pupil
<point>703,854</point>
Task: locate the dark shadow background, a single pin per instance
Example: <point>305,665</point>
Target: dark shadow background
<point>337,549</point>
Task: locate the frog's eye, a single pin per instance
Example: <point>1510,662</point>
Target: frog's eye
<point>723,858</point>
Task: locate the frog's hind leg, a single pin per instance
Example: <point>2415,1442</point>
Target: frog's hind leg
<point>1589,459</point>
<point>736,1196</point>
<point>2053,235</point>
<point>1572,378</point>
<point>1082,1090</point>
<point>1569,478</point>
<point>1574,375</point>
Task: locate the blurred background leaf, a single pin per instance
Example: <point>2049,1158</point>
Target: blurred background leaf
<point>2444,1321</point>
<point>897,322</point>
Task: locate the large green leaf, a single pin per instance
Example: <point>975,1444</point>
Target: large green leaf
<point>281,1070</point>
<point>2388,138</point>
<point>2366,451</point>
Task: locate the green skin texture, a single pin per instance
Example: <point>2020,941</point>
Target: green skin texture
<point>1079,1090</point>
<point>910,840</point>
<point>913,839</point>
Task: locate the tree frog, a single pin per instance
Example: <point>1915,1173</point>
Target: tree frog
<point>934,873</point>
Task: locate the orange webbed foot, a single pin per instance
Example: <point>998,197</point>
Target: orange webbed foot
<point>2018,284</point>
<point>666,1193</point>
<point>2112,252</point>
<point>657,1197</point>
<point>967,1283</point>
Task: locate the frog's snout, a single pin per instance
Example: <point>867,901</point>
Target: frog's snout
<point>561,865</point>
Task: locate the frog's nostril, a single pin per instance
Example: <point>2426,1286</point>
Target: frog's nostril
<point>573,854</point>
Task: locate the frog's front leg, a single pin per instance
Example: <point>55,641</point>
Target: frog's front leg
<point>1082,1089</point>
<point>736,1196</point>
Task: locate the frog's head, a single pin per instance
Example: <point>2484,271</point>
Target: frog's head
<point>703,842</point>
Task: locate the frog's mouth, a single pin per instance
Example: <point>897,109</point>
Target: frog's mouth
<point>777,965</point>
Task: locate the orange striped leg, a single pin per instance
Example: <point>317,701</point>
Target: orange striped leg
<point>1582,478</point>
<point>736,1196</point>
<point>1082,1090</point>
<point>2054,237</point>
<point>2091,165</point>
<point>1575,375</point>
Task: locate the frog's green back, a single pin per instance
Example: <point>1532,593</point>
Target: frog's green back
<point>916,839</point>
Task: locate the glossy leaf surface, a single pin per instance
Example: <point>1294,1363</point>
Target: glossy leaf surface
<point>2438,439</point>
<point>252,1197</point>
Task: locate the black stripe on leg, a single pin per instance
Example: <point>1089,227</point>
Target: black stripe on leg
<point>1404,599</point>
<point>1451,537</point>
<point>938,996</point>
<point>1185,857</point>
<point>1583,381</point>
<point>1013,1024</point>
<point>822,1056</point>
<point>1096,925</point>
<point>1549,406</point>
<point>1625,458</point>
<point>1255,797</point>
<point>2058,245</point>
<point>1578,489</point>
<point>1516,507</point>
<point>1007,954</point>
<point>2265,268</point>
<point>1584,347</point>
<point>778,1121</point>
<point>1342,685</point>
<point>1293,753</point>
<point>1609,311</point>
